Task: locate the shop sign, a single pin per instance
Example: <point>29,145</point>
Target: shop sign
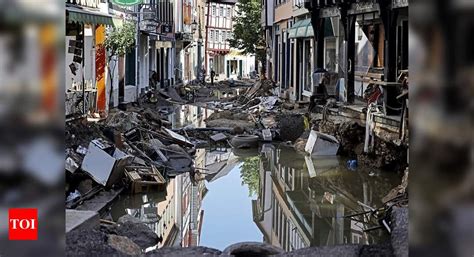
<point>364,7</point>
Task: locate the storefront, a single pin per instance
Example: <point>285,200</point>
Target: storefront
<point>86,60</point>
<point>302,44</point>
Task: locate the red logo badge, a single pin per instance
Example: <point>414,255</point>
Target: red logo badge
<point>23,224</point>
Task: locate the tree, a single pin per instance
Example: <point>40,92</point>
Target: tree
<point>248,33</point>
<point>249,172</point>
<point>119,42</point>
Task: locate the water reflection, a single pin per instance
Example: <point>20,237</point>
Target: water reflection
<point>274,193</point>
<point>296,209</point>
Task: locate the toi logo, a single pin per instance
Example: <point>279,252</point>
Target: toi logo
<point>23,224</point>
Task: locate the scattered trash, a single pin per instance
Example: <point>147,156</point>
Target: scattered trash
<point>352,164</point>
<point>218,137</point>
<point>267,135</point>
<point>71,165</point>
<point>73,196</point>
<point>82,150</point>
<point>179,138</point>
<point>268,102</point>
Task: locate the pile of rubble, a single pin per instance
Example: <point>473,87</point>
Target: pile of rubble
<point>129,149</point>
<point>257,112</point>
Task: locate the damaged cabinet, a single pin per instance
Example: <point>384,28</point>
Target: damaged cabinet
<point>104,163</point>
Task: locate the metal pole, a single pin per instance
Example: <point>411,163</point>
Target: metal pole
<point>137,53</point>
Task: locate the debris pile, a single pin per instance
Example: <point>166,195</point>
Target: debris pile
<point>129,150</point>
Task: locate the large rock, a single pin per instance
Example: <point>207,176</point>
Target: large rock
<point>138,232</point>
<point>124,245</point>
<point>89,242</point>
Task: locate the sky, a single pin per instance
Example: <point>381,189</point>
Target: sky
<point>228,213</point>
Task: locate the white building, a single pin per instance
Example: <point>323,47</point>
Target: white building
<point>220,57</point>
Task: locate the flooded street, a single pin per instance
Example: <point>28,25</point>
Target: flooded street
<point>272,194</point>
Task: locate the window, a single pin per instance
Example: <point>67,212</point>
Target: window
<point>222,11</point>
<point>229,14</point>
<point>214,11</point>
<point>217,35</point>
<point>224,36</point>
<point>212,35</point>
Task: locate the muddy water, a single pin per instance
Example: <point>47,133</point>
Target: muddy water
<point>271,194</point>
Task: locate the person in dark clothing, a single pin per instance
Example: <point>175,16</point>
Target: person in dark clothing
<point>213,73</point>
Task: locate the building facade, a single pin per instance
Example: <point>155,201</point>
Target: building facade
<point>296,208</point>
<point>356,42</point>
<point>108,80</point>
<point>226,62</point>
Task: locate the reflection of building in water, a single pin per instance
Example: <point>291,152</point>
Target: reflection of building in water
<point>295,211</point>
<point>191,217</point>
<point>156,210</point>
<point>189,115</point>
<point>166,228</point>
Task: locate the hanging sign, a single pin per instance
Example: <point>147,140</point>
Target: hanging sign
<point>127,2</point>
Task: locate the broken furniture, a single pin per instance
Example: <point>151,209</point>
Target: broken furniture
<point>320,144</point>
<point>104,162</point>
<point>145,179</point>
<point>218,142</point>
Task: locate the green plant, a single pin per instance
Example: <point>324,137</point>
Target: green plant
<point>119,42</point>
<point>249,172</point>
<point>248,32</point>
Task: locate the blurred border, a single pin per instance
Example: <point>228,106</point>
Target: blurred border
<point>441,156</point>
<point>32,127</point>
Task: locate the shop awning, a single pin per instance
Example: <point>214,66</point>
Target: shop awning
<point>301,29</point>
<point>82,15</point>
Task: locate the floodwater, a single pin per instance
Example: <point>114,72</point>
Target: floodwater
<point>272,194</point>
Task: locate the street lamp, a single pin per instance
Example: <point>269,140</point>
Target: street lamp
<point>194,26</point>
